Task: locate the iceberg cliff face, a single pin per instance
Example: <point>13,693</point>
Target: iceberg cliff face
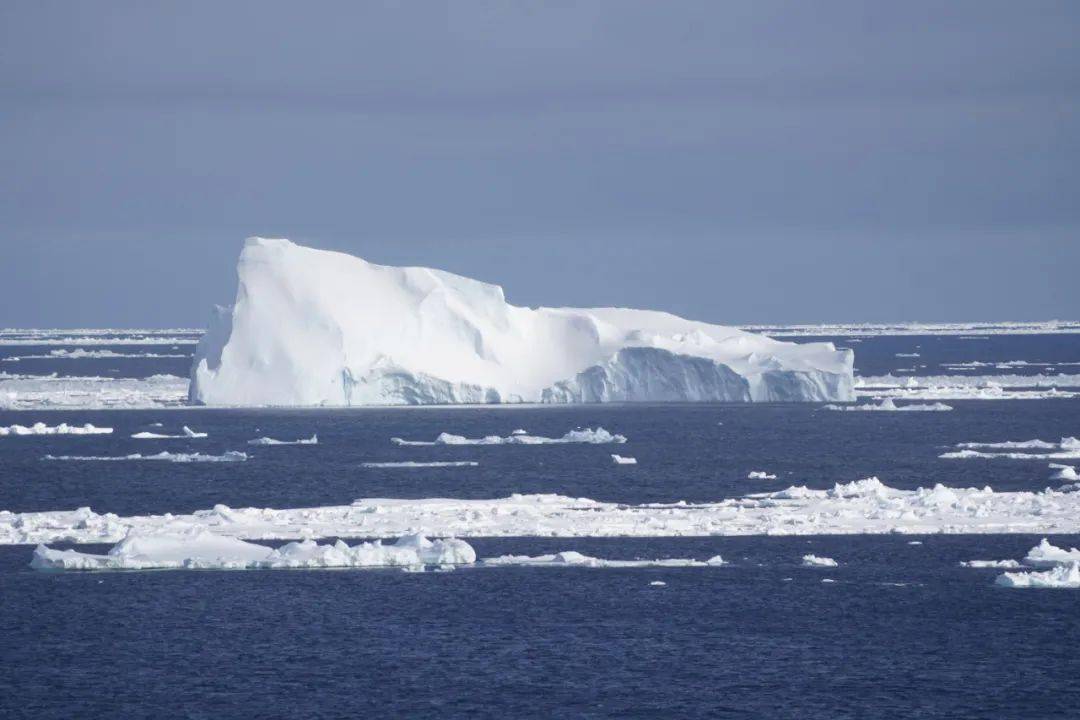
<point>312,327</point>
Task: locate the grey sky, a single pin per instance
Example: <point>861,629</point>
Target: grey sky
<point>732,162</point>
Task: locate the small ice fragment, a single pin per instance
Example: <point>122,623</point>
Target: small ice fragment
<point>620,460</point>
<point>815,561</point>
<point>760,475</point>
<point>658,583</point>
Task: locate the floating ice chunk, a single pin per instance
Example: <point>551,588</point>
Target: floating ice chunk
<point>61,429</point>
<point>887,405</point>
<point>599,436</point>
<point>1068,448</point>
<point>658,583</point>
<point>1046,554</point>
<point>228,456</point>
<point>412,464</point>
<point>620,460</point>
<point>571,558</point>
<point>815,561</point>
<point>185,434</point>
<point>915,542</point>
<point>1010,445</point>
<point>1064,576</point>
<point>907,355</point>
<point>760,475</point>
<point>200,549</point>
<point>1004,564</point>
<point>313,440</point>
<point>1064,472</point>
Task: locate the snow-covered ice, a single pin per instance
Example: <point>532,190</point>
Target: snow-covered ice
<point>312,327</point>
<point>815,561</point>
<point>760,475</point>
<point>313,440</point>
<point>599,436</point>
<point>41,428</point>
<point>228,456</point>
<point>622,460</point>
<point>186,433</point>
<point>861,507</point>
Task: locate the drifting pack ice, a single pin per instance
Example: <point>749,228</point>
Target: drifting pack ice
<point>313,327</point>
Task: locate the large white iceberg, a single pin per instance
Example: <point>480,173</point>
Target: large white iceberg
<point>312,327</point>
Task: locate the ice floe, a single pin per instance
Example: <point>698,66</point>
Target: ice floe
<point>228,456</point>
<point>976,331</point>
<point>97,336</point>
<point>413,464</point>
<point>622,460</point>
<point>84,354</point>
<point>599,436</point>
<point>41,428</point>
<point>1065,576</point>
<point>1003,564</point>
<point>968,387</point>
<point>37,392</point>
<point>1058,568</point>
<point>1046,554</point>
<point>199,549</point>
<point>1064,472</point>
<point>1067,448</point>
<point>760,475</point>
<point>571,558</point>
<point>313,440</point>
<point>861,507</point>
<point>815,561</point>
<point>186,433</point>
<point>887,405</point>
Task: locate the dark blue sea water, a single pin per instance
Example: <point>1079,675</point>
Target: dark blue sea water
<point>902,632</point>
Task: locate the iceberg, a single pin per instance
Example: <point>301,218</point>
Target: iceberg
<point>312,327</point>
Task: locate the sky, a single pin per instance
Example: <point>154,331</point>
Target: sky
<point>733,162</point>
